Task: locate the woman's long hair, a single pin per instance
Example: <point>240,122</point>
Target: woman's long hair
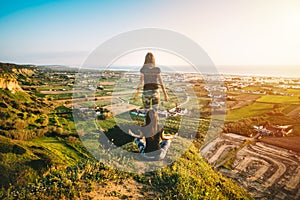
<point>149,59</point>
<point>152,122</point>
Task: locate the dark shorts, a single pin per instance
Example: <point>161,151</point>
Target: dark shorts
<point>159,154</point>
<point>151,98</point>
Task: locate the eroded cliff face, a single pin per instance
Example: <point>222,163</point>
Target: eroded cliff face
<point>9,74</point>
<point>23,71</point>
<point>10,83</point>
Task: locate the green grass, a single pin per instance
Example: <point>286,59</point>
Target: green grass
<point>18,96</point>
<point>48,88</point>
<point>60,96</point>
<point>60,152</point>
<point>24,161</point>
<point>67,125</point>
<point>190,177</point>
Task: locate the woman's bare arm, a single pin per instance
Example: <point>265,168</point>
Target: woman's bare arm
<point>139,87</point>
<point>135,135</point>
<point>163,88</point>
<point>168,137</point>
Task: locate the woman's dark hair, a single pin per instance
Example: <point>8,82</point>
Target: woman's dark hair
<point>149,59</point>
<point>152,121</point>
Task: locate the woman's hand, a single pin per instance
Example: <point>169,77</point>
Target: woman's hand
<point>175,136</point>
<point>166,98</point>
<point>136,96</point>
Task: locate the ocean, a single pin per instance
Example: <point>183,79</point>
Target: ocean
<point>269,71</point>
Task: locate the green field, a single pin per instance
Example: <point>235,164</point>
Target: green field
<point>278,99</point>
<point>52,87</point>
<point>296,92</point>
<point>252,110</point>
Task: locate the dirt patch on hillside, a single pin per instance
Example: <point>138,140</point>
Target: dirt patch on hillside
<point>121,189</point>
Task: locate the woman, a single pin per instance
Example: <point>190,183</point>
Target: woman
<point>151,77</point>
<point>156,142</point>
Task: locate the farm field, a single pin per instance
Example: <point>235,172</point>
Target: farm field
<point>279,99</point>
<point>291,143</point>
<point>253,110</point>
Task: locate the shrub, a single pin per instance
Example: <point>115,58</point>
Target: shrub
<point>3,105</point>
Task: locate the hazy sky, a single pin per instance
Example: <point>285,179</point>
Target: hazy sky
<point>232,32</point>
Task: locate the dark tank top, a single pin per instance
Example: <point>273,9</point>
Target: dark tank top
<point>153,142</point>
<point>151,77</point>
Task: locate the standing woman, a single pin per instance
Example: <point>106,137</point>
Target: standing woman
<point>151,77</point>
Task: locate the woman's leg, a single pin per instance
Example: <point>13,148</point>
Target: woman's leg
<point>155,98</point>
<point>165,144</point>
<point>141,144</point>
<point>147,98</point>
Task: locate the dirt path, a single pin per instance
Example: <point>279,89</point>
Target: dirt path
<point>294,181</point>
<point>121,189</point>
<point>219,152</point>
<point>295,112</point>
<point>280,168</point>
<point>261,171</point>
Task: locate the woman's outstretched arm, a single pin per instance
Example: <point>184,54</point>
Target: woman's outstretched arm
<point>135,135</point>
<point>163,88</point>
<point>139,87</point>
<point>168,137</point>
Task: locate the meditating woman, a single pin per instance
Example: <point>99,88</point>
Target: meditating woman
<point>156,143</point>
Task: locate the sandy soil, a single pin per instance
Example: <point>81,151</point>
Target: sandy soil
<point>125,189</point>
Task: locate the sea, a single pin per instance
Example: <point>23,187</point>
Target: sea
<point>267,71</point>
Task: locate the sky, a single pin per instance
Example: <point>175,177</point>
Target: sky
<point>232,32</point>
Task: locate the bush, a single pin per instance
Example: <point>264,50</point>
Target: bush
<point>54,131</point>
<point>3,105</point>
<point>72,140</point>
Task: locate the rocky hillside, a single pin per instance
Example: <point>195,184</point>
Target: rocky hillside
<point>10,73</point>
<point>9,83</point>
<point>17,69</point>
